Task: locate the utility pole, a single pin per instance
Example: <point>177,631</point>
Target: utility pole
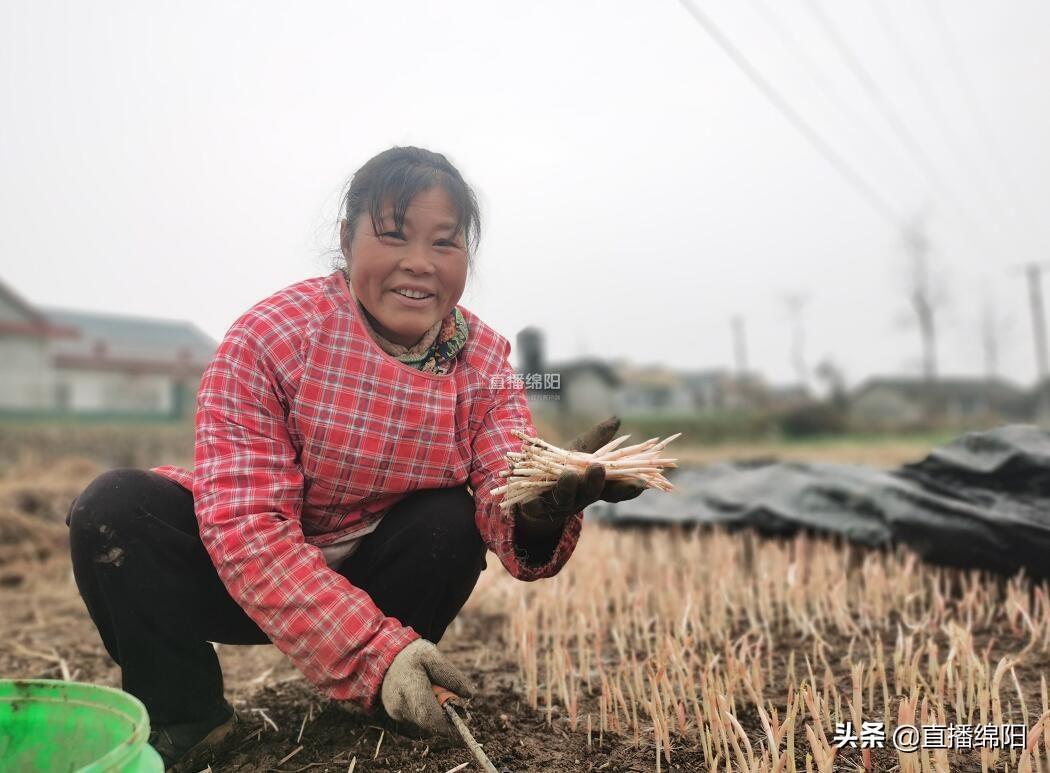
<point>796,303</point>
<point>739,391</point>
<point>1034,276</point>
<point>990,324</point>
<point>736,324</point>
<point>992,327</point>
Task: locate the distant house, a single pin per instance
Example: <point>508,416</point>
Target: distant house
<point>64,362</point>
<point>652,391</point>
<point>588,388</point>
<point>593,388</point>
<point>712,390</point>
<point>721,390</point>
<point>583,387</point>
<point>901,401</point>
<point>1039,402</point>
<point>787,396</point>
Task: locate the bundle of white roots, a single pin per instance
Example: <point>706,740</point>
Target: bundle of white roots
<point>536,468</point>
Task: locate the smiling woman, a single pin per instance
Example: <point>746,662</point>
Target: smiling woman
<point>410,223</point>
<point>351,432</point>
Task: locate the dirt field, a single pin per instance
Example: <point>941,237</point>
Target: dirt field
<point>622,662</point>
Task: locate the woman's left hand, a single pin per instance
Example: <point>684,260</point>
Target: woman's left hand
<point>573,492</point>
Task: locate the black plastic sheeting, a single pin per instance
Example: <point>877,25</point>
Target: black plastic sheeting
<point>981,501</point>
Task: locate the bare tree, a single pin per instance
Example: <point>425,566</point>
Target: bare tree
<point>829,373</point>
<point>924,296</point>
<point>1034,275</point>
<point>993,326</point>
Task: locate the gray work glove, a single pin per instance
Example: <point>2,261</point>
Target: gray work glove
<point>573,492</point>
<point>407,693</point>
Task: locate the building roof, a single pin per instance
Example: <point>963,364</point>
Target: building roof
<point>16,300</point>
<point>123,337</point>
<point>32,321</point>
<point>708,376</point>
<point>649,376</point>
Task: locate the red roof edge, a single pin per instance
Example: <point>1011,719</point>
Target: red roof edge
<point>38,329</point>
<point>129,365</point>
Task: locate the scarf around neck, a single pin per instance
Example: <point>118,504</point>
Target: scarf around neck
<point>434,352</point>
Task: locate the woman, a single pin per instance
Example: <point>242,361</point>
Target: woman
<point>350,431</point>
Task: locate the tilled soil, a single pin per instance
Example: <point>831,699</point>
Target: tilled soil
<point>48,635</point>
<point>288,726</point>
<point>285,725</point>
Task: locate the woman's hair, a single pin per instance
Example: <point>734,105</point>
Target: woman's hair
<point>396,176</point>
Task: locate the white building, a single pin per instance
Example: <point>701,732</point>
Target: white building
<point>60,362</point>
<point>651,391</point>
<point>894,402</point>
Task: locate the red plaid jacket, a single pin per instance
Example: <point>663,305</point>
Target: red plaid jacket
<point>307,432</point>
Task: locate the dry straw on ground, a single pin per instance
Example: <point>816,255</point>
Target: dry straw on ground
<point>751,652</point>
<point>702,651</point>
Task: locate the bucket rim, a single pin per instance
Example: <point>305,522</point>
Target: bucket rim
<point>127,706</point>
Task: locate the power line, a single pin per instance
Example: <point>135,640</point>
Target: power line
<point>819,76</point>
<point>973,104</point>
<point>889,113</point>
<point>858,183</point>
<point>893,119</point>
<point>932,102</point>
<point>868,192</point>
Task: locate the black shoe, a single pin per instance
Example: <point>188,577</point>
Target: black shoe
<point>188,746</point>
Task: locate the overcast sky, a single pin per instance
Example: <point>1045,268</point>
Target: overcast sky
<point>185,160</point>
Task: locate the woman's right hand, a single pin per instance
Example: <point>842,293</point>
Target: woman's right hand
<point>408,694</point>
<point>573,492</point>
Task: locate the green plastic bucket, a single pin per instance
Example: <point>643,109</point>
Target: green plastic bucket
<point>47,725</point>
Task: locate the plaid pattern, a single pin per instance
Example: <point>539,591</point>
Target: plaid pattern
<point>307,432</point>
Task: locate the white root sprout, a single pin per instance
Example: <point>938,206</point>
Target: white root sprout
<point>535,469</point>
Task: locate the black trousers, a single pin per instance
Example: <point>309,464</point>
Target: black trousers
<point>157,600</point>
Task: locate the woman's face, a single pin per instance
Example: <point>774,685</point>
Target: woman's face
<point>408,280</point>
